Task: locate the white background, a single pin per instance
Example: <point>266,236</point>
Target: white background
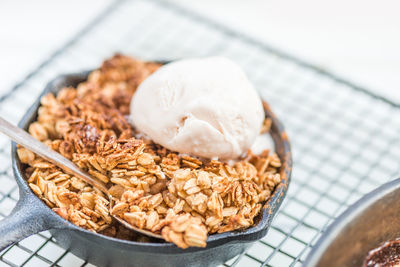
<point>358,39</point>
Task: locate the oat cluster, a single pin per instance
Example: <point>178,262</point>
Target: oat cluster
<point>180,197</point>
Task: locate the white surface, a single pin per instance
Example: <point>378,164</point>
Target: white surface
<point>31,31</point>
<point>360,40</point>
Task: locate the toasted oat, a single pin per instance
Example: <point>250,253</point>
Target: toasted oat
<point>25,155</point>
<point>266,125</point>
<point>180,197</point>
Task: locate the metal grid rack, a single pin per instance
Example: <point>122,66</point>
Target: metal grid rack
<point>345,140</point>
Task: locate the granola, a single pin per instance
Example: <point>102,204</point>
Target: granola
<point>180,197</point>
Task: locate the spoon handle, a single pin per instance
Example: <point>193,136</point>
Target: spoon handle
<point>23,138</point>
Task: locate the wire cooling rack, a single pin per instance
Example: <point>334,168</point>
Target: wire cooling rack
<point>345,140</point>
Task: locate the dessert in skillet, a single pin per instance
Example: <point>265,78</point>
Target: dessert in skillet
<point>185,169</point>
<point>387,255</point>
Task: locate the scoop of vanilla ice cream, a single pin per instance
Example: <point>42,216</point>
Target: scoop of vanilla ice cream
<point>203,107</point>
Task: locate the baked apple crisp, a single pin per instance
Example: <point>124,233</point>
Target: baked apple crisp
<point>183,198</point>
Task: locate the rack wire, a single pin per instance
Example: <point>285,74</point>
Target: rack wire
<point>345,139</point>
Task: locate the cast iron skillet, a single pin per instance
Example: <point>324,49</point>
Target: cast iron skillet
<point>365,225</point>
<point>31,216</point>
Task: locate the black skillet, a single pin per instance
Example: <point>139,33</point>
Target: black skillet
<point>31,215</point>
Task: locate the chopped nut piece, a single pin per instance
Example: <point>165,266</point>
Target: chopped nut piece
<point>25,155</point>
<point>137,219</point>
<point>38,131</point>
<point>196,235</point>
<point>121,207</point>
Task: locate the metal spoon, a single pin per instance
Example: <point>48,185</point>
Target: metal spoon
<point>23,138</point>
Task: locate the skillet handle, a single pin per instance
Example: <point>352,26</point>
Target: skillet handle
<point>27,218</point>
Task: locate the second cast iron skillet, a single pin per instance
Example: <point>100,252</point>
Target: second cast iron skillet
<point>31,215</point>
<point>365,225</point>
